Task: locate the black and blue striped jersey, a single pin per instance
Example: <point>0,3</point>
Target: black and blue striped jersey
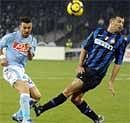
<point>103,47</point>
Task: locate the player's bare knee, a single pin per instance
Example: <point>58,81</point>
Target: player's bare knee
<point>76,100</point>
<point>67,93</point>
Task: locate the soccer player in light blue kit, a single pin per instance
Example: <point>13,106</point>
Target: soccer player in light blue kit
<point>19,48</point>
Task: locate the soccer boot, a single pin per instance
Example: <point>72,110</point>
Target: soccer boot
<point>100,119</point>
<point>28,121</point>
<point>38,110</point>
<point>17,118</point>
<point>32,103</point>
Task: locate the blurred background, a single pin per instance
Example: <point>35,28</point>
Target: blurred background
<point>53,26</point>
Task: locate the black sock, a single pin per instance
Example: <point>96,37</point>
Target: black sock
<point>54,102</point>
<point>86,110</point>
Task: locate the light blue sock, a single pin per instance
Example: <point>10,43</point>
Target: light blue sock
<point>19,112</point>
<point>24,105</point>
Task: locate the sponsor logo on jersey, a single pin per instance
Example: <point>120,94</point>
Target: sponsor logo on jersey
<point>103,44</point>
<point>20,47</point>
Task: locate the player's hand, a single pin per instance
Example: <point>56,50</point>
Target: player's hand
<point>111,88</point>
<point>80,69</point>
<point>3,62</point>
<point>29,53</point>
<point>28,47</point>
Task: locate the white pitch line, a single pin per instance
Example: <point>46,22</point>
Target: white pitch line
<point>68,76</point>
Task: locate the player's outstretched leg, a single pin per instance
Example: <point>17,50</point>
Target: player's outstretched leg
<point>51,104</point>
<point>86,110</point>
<point>78,101</point>
<point>61,98</point>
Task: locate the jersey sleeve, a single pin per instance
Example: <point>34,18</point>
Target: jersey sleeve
<point>4,41</point>
<point>34,45</point>
<point>120,52</point>
<point>88,42</point>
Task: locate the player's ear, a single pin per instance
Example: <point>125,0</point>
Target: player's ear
<point>111,20</point>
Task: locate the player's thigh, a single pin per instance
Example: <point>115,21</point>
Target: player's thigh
<point>12,73</point>
<point>74,87</point>
<point>35,93</point>
<point>21,86</point>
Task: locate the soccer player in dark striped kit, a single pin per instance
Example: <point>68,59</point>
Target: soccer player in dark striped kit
<point>98,51</point>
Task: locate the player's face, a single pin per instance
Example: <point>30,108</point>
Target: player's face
<point>117,24</point>
<point>25,29</point>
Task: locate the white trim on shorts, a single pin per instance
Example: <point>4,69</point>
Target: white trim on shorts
<point>12,73</point>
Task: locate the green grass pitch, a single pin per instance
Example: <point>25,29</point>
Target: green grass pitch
<point>51,77</point>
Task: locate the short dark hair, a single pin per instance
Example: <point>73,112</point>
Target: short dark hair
<point>117,15</point>
<point>24,19</point>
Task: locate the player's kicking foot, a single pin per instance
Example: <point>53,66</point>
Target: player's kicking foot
<point>17,118</point>
<point>38,110</point>
<point>100,119</point>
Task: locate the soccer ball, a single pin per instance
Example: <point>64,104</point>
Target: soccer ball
<point>75,7</point>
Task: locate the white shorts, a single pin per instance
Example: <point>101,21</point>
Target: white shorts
<point>12,73</point>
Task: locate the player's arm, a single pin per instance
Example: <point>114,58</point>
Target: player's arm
<point>30,54</point>
<point>82,57</point>
<point>86,44</point>
<point>3,61</point>
<point>119,54</point>
<point>115,71</point>
<point>32,48</point>
<point>3,44</point>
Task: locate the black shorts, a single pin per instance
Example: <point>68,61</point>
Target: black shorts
<point>90,79</point>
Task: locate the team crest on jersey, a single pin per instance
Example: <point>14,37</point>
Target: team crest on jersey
<point>106,38</point>
<point>20,47</point>
<point>112,41</point>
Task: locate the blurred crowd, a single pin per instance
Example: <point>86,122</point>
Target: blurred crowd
<point>51,22</point>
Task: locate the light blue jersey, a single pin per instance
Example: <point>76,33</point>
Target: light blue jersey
<point>16,48</point>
